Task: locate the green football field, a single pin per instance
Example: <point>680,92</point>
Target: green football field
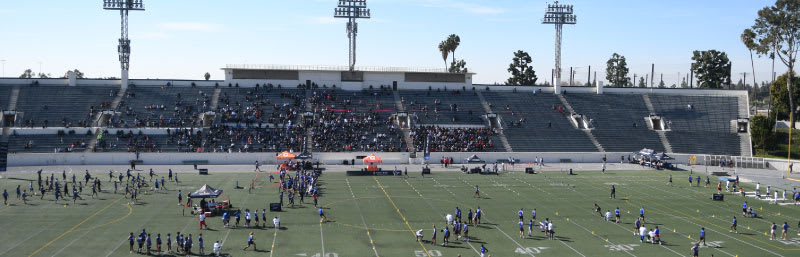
<point>377,216</point>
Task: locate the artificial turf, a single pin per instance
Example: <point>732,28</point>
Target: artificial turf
<point>377,216</point>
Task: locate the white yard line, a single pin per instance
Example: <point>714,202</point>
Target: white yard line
<point>495,226</point>
<point>434,209</point>
<point>274,237</point>
<point>562,242</point>
<point>696,224</point>
<point>26,239</point>
<point>71,242</point>
<point>322,239</point>
<point>363,220</point>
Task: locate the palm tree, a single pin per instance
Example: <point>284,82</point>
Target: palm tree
<point>444,49</point>
<point>748,37</point>
<point>453,41</point>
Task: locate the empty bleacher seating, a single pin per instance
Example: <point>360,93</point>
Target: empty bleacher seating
<point>618,120</point>
<point>699,124</point>
<point>539,125</point>
<point>61,105</point>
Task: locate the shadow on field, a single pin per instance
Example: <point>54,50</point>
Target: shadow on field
<point>536,238</point>
<point>20,179</point>
<point>563,238</point>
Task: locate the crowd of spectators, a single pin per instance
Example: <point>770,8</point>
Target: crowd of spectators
<point>182,111</point>
<point>339,131</point>
<point>260,105</point>
<point>129,142</point>
<point>357,121</point>
<point>222,138</point>
<point>441,139</point>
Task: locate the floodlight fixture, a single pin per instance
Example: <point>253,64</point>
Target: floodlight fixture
<point>352,10</point>
<point>558,14</point>
<point>124,47</point>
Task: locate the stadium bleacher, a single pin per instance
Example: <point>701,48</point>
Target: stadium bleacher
<point>270,119</point>
<point>538,124</point>
<point>165,106</point>
<point>356,121</point>
<point>699,124</point>
<point>443,107</point>
<point>619,121</point>
<point>60,106</point>
<point>51,143</point>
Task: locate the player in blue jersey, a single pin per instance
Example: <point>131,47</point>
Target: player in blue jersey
<point>785,230</point>
<point>322,217</point>
<point>251,241</point>
<point>703,235</point>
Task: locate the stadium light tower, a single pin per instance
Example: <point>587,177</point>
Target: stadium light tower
<point>558,14</point>
<point>124,47</point>
<point>352,10</point>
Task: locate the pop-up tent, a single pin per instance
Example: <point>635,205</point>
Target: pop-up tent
<point>206,191</point>
<point>474,159</point>
<point>304,156</point>
<point>371,161</point>
<point>286,155</point>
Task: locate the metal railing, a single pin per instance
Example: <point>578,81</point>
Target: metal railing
<point>734,161</point>
<point>332,68</point>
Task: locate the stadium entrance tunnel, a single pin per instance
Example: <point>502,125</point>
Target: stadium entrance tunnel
<point>494,121</point>
<point>104,118</point>
<point>9,118</point>
<point>655,122</point>
<point>402,120</point>
<point>742,124</point>
<point>208,118</point>
<point>580,121</point>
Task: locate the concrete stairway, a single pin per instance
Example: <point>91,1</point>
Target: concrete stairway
<point>12,103</point>
<point>96,129</point>
<point>744,112</point>
<point>309,144</point>
<point>662,135</point>
<point>587,131</point>
<point>500,133</point>
<point>406,131</point>
<point>215,98</point>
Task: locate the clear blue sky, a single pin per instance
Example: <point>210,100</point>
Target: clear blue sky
<point>184,39</point>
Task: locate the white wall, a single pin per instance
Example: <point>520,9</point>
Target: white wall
<point>376,79</point>
<point>29,159</point>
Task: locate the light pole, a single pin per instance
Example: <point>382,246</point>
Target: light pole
<point>352,10</point>
<point>124,47</point>
<point>558,14</point>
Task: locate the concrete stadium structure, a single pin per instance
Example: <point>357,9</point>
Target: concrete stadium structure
<point>597,119</point>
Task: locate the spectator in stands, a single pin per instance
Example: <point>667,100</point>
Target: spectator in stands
<point>440,139</point>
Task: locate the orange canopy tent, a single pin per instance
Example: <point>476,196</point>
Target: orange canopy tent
<point>286,156</point>
<point>371,161</point>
